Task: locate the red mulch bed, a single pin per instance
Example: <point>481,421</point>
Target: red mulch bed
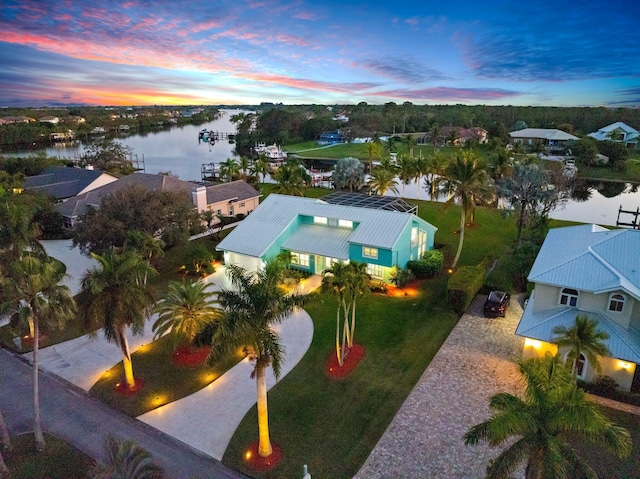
<point>29,339</point>
<point>393,290</point>
<point>187,357</point>
<point>124,390</point>
<point>258,463</point>
<point>351,360</point>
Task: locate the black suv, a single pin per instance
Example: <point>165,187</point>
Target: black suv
<point>496,304</point>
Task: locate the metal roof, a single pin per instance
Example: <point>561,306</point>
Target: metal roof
<point>543,133</point>
<point>314,239</point>
<point>377,202</point>
<point>622,343</point>
<point>262,228</point>
<point>63,182</point>
<point>590,258</point>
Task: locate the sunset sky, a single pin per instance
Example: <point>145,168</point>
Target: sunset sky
<point>186,52</point>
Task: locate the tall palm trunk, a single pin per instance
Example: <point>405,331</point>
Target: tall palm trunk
<point>338,349</point>
<point>346,333</point>
<point>462,222</point>
<point>126,358</point>
<point>353,323</point>
<point>4,470</point>
<point>37,428</point>
<point>534,469</point>
<point>5,441</point>
<point>264,446</point>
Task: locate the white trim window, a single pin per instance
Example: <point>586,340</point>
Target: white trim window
<point>375,270</point>
<point>616,302</point>
<point>569,297</point>
<point>320,220</point>
<point>300,259</point>
<point>369,252</point>
<point>579,365</point>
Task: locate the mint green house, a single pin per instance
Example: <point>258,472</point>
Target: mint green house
<point>318,233</point>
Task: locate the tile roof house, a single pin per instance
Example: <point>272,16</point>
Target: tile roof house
<point>318,233</point>
<point>226,199</point>
<point>63,183</point>
<point>553,140</point>
<point>619,132</point>
<point>588,270</point>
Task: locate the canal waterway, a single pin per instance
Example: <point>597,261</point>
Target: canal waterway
<point>179,151</point>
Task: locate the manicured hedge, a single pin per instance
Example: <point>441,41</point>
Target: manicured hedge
<point>464,284</point>
<point>428,266</point>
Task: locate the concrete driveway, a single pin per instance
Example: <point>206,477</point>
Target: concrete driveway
<point>77,264</point>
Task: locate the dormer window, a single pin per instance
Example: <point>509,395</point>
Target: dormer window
<point>569,297</point>
<point>616,302</point>
<point>320,220</point>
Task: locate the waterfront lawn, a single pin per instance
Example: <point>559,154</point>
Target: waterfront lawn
<point>59,460</point>
<point>164,381</point>
<point>631,173</point>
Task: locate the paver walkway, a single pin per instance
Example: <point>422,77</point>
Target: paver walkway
<point>425,437</point>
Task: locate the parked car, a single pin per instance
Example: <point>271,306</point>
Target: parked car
<point>496,304</point>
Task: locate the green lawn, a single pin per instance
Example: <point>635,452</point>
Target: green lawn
<point>58,461</point>
<point>333,425</point>
<point>164,381</point>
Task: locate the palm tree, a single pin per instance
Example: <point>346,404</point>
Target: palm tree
<point>261,166</point>
<point>406,170</point>
<point>248,315</point>
<point>33,295</point>
<point>291,178</point>
<point>186,309</point>
<point>583,338</point>
<point>148,246</point>
<point>420,164</point>
<point>229,169</point>
<point>433,170</point>
<point>117,299</point>
<point>409,142</point>
<point>18,232</point>
<point>359,280</point>
<point>374,152</point>
<point>538,425</point>
<point>435,134</point>
<point>126,460</point>
<point>466,178</point>
<point>244,166</point>
<point>336,278</point>
<point>5,442</point>
<point>382,180</point>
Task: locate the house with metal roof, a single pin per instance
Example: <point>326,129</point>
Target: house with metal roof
<point>318,233</point>
<point>592,271</point>
<point>619,132</point>
<point>552,139</point>
<point>62,182</point>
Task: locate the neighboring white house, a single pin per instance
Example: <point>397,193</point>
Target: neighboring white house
<point>65,182</point>
<point>552,139</point>
<point>619,132</point>
<point>588,270</point>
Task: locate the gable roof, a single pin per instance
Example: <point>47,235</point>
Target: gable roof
<point>62,182</point>
<point>631,135</point>
<point>543,133</point>
<point>255,235</point>
<point>590,258</point>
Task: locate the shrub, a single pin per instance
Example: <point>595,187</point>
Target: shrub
<point>378,287</point>
<point>605,386</point>
<point>428,266</point>
<point>464,284</point>
<point>401,276</point>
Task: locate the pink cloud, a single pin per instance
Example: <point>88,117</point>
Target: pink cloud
<point>449,94</point>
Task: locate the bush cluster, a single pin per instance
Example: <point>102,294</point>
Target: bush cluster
<point>607,387</point>
<point>428,266</point>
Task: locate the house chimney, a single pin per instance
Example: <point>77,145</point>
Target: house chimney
<point>199,198</point>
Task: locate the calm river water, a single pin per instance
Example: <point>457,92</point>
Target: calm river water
<point>179,151</point>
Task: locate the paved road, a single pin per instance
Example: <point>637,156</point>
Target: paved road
<point>71,415</point>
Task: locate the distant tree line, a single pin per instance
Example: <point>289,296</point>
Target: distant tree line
<point>286,124</point>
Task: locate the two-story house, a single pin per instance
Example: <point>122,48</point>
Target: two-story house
<point>588,270</point>
<point>318,233</point>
